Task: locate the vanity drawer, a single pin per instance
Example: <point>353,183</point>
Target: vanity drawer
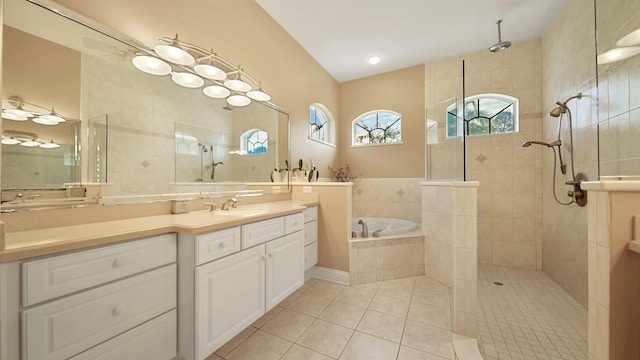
<point>310,256</point>
<point>262,231</point>
<point>310,214</point>
<point>68,326</point>
<point>310,232</point>
<point>217,244</point>
<point>153,340</point>
<point>60,275</point>
<point>293,223</point>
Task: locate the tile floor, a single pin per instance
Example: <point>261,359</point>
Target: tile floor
<point>401,319</point>
<point>529,317</point>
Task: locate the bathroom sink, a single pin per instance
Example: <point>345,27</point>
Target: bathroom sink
<point>241,212</point>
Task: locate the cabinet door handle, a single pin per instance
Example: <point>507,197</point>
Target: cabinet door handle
<point>269,256</point>
<point>264,258</point>
<point>116,311</point>
<point>116,263</point>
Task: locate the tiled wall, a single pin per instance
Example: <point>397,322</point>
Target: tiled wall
<point>509,196</point>
<point>450,228</point>
<point>377,260</point>
<point>568,55</point>
<point>389,197</point>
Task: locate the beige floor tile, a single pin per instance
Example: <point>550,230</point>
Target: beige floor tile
<point>298,352</point>
<point>428,338</point>
<point>367,347</point>
<point>326,338</point>
<point>266,317</point>
<point>437,297</point>
<point>288,324</point>
<point>425,282</point>
<point>430,315</point>
<point>309,304</point>
<point>225,349</point>
<point>343,314</point>
<point>407,353</point>
<point>409,281</point>
<point>392,305</point>
<point>260,346</point>
<point>326,289</point>
<point>291,298</point>
<point>359,295</point>
<point>386,326</point>
<point>390,288</point>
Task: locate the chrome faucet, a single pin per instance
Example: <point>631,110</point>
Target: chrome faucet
<point>229,204</point>
<point>377,233</point>
<point>365,229</point>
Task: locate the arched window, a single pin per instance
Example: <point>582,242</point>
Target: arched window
<point>254,141</point>
<point>377,127</point>
<point>320,124</point>
<point>483,114</point>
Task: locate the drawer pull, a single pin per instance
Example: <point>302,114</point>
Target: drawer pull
<point>116,311</point>
<point>221,246</point>
<point>116,263</point>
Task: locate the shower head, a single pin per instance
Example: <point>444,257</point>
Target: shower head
<point>529,143</point>
<point>562,106</point>
<point>500,45</point>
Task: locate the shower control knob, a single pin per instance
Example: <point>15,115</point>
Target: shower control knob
<point>570,193</point>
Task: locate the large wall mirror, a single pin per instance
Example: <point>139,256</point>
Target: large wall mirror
<point>141,134</point>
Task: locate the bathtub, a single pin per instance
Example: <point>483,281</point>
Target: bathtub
<point>389,226</point>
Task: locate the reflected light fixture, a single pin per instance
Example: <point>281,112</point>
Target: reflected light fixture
<point>216,91</point>
<point>30,143</point>
<point>10,141</point>
<point>151,65</point>
<point>238,100</point>
<point>374,59</point>
<point>632,38</point>
<point>174,53</point>
<point>49,119</point>
<point>49,145</point>
<point>187,79</point>
<point>618,54</point>
<point>11,116</point>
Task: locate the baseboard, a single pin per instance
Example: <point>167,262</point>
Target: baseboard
<point>332,275</point>
<point>465,348</point>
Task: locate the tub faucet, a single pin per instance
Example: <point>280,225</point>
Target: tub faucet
<point>377,233</point>
<point>365,230</point>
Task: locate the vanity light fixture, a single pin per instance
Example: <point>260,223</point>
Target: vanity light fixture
<point>151,65</point>
<point>216,91</point>
<point>11,116</point>
<point>238,100</point>
<point>187,79</point>
<point>236,83</point>
<point>49,119</point>
<point>192,66</point>
<point>207,69</point>
<point>174,53</point>
<point>30,143</point>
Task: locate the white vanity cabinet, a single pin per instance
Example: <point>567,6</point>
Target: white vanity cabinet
<point>220,298</point>
<point>310,237</point>
<point>101,302</point>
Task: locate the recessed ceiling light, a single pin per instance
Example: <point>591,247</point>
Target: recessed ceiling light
<point>374,59</point>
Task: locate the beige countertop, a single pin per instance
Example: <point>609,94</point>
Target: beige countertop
<point>30,243</point>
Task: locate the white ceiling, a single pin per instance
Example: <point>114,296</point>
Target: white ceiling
<point>341,34</point>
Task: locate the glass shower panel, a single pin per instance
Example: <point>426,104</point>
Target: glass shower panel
<point>444,133</point>
<point>618,71</point>
<point>97,129</point>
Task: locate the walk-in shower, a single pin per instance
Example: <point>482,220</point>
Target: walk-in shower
<point>577,195</point>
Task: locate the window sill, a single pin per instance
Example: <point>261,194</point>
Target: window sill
<point>372,145</point>
<point>321,142</point>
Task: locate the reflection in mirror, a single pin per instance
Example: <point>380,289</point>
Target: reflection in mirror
<point>132,118</point>
<point>618,65</point>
